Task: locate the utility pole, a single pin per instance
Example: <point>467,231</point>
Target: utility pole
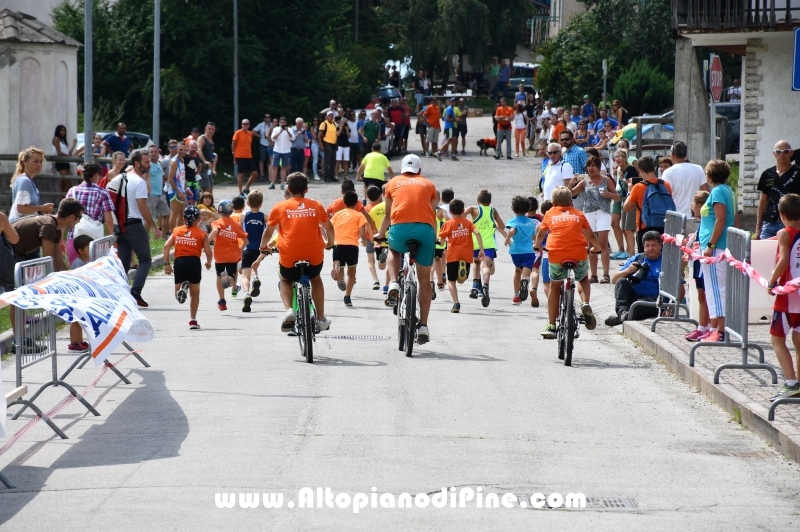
<point>157,72</point>
<point>357,2</point>
<point>88,133</point>
<point>235,70</point>
<point>605,75</point>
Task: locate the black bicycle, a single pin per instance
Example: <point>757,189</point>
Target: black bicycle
<point>303,305</point>
<point>406,308</point>
<point>567,322</point>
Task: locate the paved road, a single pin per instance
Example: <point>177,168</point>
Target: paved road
<point>234,409</point>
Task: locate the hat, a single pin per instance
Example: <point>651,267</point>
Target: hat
<point>329,113</point>
<point>585,96</point>
<point>195,129</point>
<point>545,115</point>
<point>411,164</point>
<point>451,100</point>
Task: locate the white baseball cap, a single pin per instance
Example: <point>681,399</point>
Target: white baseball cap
<point>411,164</point>
<point>545,115</point>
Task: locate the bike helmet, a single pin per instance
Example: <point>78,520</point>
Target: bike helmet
<point>225,207</point>
<point>411,164</point>
<point>190,214</point>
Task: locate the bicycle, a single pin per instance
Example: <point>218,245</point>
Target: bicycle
<point>406,308</point>
<point>567,321</point>
<point>303,306</point>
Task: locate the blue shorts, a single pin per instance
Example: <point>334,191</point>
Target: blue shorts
<point>489,253</point>
<point>399,234</point>
<point>523,260</point>
<point>282,159</point>
<point>545,269</point>
<point>420,98</point>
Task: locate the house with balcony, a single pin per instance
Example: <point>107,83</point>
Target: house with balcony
<point>761,32</point>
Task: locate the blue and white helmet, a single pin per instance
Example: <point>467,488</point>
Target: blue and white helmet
<point>190,214</point>
<point>225,207</point>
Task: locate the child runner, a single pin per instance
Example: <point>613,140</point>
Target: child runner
<point>76,343</point>
<point>254,225</point>
<point>238,215</point>
<point>376,208</point>
<point>442,215</point>
<point>703,319</point>
<point>544,265</point>
<point>521,232</point>
<point>569,232</point>
<point>533,215</point>
<point>338,204</point>
<point>787,306</point>
<point>225,233</point>
<point>488,222</point>
<point>437,272</point>
<point>459,231</point>
<point>189,241</point>
<point>348,227</point>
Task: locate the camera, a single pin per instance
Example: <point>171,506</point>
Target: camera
<point>640,274</point>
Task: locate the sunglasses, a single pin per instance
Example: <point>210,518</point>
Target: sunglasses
<point>173,146</point>
<point>782,152</point>
<point>553,152</point>
<point>565,140</point>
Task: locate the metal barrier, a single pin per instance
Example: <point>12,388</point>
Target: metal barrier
<point>737,307</point>
<point>35,337</point>
<point>670,279</point>
<point>97,249</point>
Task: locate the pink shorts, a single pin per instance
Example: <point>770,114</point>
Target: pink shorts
<point>783,323</point>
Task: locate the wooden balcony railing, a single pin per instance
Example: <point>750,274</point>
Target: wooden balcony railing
<point>735,15</point>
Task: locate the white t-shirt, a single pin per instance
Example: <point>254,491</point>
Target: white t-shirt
<point>262,129</point>
<point>685,179</point>
<point>137,189</point>
<point>572,126</point>
<point>283,143</point>
<point>555,176</point>
<point>353,131</point>
<point>519,121</point>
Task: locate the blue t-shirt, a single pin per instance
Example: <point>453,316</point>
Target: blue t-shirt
<point>649,285</point>
<point>117,144</point>
<point>588,109</point>
<point>719,194</point>
<point>156,179</point>
<point>23,188</point>
<point>601,123</point>
<point>449,113</point>
<point>254,225</point>
<point>522,242</point>
<point>504,73</point>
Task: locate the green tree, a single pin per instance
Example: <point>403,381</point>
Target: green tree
<point>644,89</point>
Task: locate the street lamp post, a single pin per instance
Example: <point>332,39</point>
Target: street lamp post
<point>157,72</point>
<point>87,81</point>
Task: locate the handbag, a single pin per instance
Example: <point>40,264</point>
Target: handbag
<point>89,227</point>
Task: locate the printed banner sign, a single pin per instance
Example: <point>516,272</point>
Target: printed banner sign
<point>2,405</point>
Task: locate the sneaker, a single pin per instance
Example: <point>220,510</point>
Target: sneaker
<point>347,301</point>
<point>385,290</point>
<point>496,157</point>
<point>473,292</point>
<point>293,332</point>
<point>139,301</point>
<point>272,186</point>
<point>523,290</point>
<point>695,335</point>
<point>453,158</point>
<point>423,335</point>
<point>289,320</point>
<point>787,391</point>
<point>182,292</point>
<point>235,290</point>
<point>256,287</point>
<point>376,285</point>
<point>715,336</point>
<point>394,291</point>
<point>282,186</point>
<point>433,290</point>
<point>77,348</point>
<point>516,300</point>
<point>439,157</point>
<point>341,283</point>
<point>382,256</point>
<point>316,178</point>
<point>323,324</point>
<point>222,305</point>
<point>508,157</point>
<point>247,302</point>
<point>549,332</point>
<point>427,154</point>
<point>456,308</point>
<point>193,325</point>
<point>485,297</point>
<point>534,299</point>
<point>462,270</point>
<point>588,318</point>
<point>245,192</point>
<point>613,321</point>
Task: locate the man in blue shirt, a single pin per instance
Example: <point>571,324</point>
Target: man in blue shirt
<point>503,76</point>
<point>603,119</point>
<point>117,142</point>
<point>637,280</point>
<point>574,155</point>
<point>450,132</point>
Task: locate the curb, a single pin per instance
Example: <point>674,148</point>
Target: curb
<point>783,437</point>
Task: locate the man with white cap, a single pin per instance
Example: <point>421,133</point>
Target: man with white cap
<point>411,210</point>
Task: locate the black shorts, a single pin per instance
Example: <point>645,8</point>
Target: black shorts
<point>249,256</point>
<point>245,166</point>
<point>438,253</point>
<point>229,267</point>
<point>406,129</point>
<point>452,271</point>
<point>355,149</point>
<point>293,274</point>
<point>450,133</point>
<point>187,269</point>
<point>462,130</point>
<point>368,182</point>
<point>346,255</point>
<point>422,129</point>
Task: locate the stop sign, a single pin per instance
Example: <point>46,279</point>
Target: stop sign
<point>715,78</point>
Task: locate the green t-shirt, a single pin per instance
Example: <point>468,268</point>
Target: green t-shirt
<point>375,163</point>
<point>371,131</point>
<point>494,71</point>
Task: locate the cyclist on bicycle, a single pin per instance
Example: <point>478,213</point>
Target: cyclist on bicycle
<point>568,238</point>
<point>299,220</point>
<point>411,209</point>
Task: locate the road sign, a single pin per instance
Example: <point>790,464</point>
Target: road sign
<point>715,78</point>
<point>796,61</point>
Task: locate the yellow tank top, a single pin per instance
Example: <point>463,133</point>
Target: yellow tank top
<point>486,227</point>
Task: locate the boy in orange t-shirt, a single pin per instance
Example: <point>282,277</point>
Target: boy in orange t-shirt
<point>569,232</point>
<point>226,233</point>
<point>189,241</point>
<point>348,226</point>
<point>458,231</point>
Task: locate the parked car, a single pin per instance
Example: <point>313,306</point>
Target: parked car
<point>139,141</point>
<point>524,74</point>
<point>732,111</point>
<point>387,92</point>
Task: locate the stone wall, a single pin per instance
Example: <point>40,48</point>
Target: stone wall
<point>752,121</point>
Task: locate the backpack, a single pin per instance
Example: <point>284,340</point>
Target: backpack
<point>7,263</point>
<point>655,204</point>
<point>118,190</point>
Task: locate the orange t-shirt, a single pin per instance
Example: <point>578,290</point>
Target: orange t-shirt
<point>566,240</point>
<point>188,241</point>
<point>458,233</point>
<point>637,195</point>
<point>411,197</point>
<point>244,144</point>
<point>338,205</point>
<point>506,112</point>
<point>557,130</point>
<point>301,239</point>
<point>346,226</point>
<point>432,115</point>
<point>226,245</point>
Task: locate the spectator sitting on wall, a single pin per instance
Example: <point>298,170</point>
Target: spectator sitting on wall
<point>637,280</point>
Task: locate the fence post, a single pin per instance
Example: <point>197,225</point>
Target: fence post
<point>737,309</point>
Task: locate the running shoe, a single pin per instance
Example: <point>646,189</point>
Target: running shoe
<point>385,290</point>
<point>613,321</point>
<point>453,158</point>
<point>485,296</point>
<point>182,292</point>
<point>293,332</point>
<point>235,290</point>
<point>715,336</point>
<point>245,192</point>
<point>549,332</point>
<point>456,308</point>
<point>77,348</point>
<point>341,283</point>
<point>433,290</point>
<point>272,186</point>
<point>222,305</point>
<point>289,320</point>
<point>523,290</point>
<point>441,287</point>
<point>247,302</point>
<point>376,285</point>
<point>423,335</point>
<point>439,157</point>
<point>256,287</point>
<point>534,298</point>
<point>473,292</point>
<point>393,293</point>
<point>695,335</point>
<point>787,391</point>
<point>588,317</point>
<point>323,324</point>
<point>347,301</point>
<point>282,186</point>
<point>193,325</point>
<point>516,300</point>
<point>462,270</point>
<point>383,255</point>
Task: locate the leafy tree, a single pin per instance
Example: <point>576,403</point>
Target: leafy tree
<point>644,89</point>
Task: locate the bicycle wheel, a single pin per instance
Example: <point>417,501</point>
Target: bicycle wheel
<point>560,328</point>
<point>411,317</point>
<point>305,325</point>
<point>571,322</point>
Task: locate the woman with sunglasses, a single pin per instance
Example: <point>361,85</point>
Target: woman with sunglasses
<point>619,113</point>
<point>582,135</point>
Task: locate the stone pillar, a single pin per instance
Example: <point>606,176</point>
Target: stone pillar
<point>691,102</point>
<point>752,119</point>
